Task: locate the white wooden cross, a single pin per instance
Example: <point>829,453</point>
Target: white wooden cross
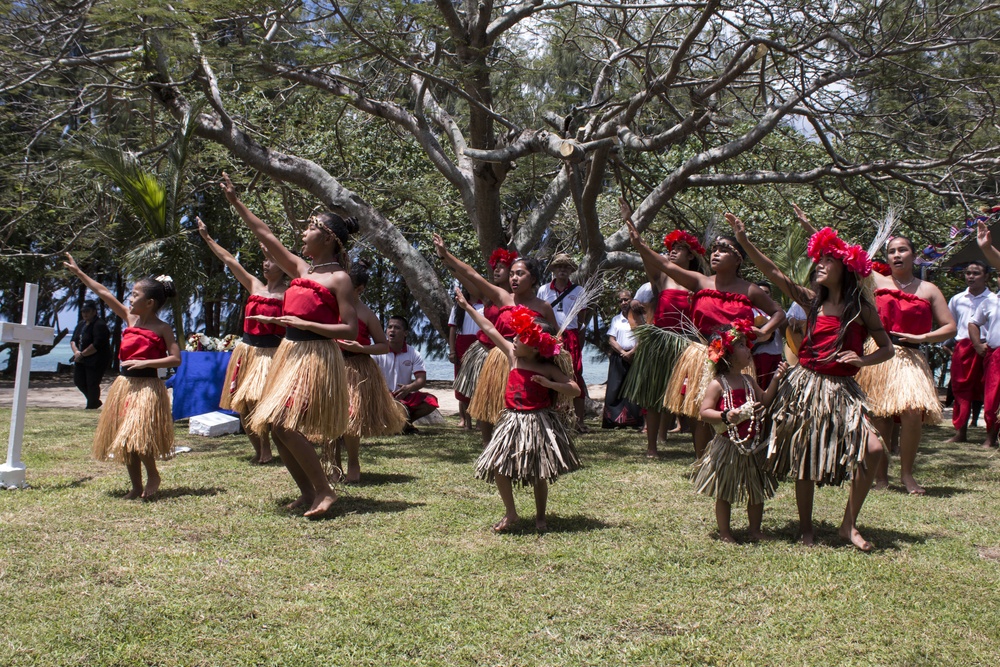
<point>26,334</point>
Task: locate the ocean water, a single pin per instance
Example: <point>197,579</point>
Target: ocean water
<point>595,365</point>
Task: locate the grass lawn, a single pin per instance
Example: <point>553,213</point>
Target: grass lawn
<point>407,572</point>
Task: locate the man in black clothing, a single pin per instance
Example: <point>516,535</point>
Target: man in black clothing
<point>91,344</point>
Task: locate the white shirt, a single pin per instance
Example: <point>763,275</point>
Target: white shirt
<point>796,312</point>
<point>963,306</point>
<point>622,331</point>
<point>645,293</point>
<point>549,294</point>
<point>987,317</point>
<point>469,326</point>
<point>398,368</point>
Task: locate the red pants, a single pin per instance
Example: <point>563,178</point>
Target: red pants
<point>991,387</point>
<point>571,339</point>
<point>966,381</point>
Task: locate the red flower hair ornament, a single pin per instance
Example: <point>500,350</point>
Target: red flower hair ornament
<point>529,332</point>
<point>882,267</point>
<point>503,256</point>
<point>685,238</point>
<point>722,346</point>
<point>827,242</point>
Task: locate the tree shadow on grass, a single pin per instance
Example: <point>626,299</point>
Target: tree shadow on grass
<point>174,492</point>
<point>72,484</point>
<point>382,478</point>
<point>827,535</point>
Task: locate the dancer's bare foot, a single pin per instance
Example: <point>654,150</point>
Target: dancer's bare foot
<point>912,487</point>
<point>677,428</point>
<point>882,484</point>
<point>851,534</point>
<point>807,539</point>
<point>321,505</point>
<point>255,460</point>
<point>133,494</point>
<point>353,476</point>
<point>652,453</point>
<point>541,525</point>
<point>960,436</point>
<point>505,524</point>
<point>990,441</point>
<point>301,501</point>
<point>152,486</point>
<point>760,536</point>
<point>262,461</point>
<point>727,538</point>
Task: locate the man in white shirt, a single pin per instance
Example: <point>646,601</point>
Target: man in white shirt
<point>966,364</point>
<point>562,294</point>
<point>620,412</point>
<point>984,334</point>
<point>404,372</point>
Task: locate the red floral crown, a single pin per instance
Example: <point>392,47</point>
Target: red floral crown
<point>722,346</point>
<point>529,332</point>
<point>502,256</point>
<point>827,242</point>
<point>687,238</point>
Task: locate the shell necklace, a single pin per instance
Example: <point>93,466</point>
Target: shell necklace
<point>313,267</point>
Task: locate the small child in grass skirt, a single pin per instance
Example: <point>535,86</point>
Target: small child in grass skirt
<point>531,444</point>
<point>821,430</point>
<point>734,467</point>
<point>246,374</point>
<point>135,426</point>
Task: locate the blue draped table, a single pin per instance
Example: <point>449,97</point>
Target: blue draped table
<point>198,382</point>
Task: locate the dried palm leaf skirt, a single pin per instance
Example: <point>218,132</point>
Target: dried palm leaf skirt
<point>487,401</point>
<point>819,427</point>
<point>252,378</point>
<point>656,352</point>
<point>233,372</point>
<point>135,421</point>
<point>734,473</point>
<point>527,447</point>
<point>472,366</point>
<point>306,391</point>
<point>373,410</point>
<point>689,380</point>
<point>902,383</point>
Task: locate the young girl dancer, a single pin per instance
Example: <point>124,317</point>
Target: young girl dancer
<point>718,300</point>
<point>246,374</point>
<point>903,389</point>
<point>734,467</point>
<point>646,383</point>
<point>821,428</point>
<point>525,276</point>
<point>305,402</point>
<point>136,426</point>
<point>530,444</point>
<point>374,412</point>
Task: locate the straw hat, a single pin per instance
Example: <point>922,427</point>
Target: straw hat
<point>562,259</point>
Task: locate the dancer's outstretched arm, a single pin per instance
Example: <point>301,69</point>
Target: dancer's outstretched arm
<point>116,306</point>
<point>797,293</point>
<point>803,219</point>
<point>290,263</point>
<point>484,324</point>
<point>245,278</point>
<point>479,287</point>
<point>691,280</point>
<point>985,240</point>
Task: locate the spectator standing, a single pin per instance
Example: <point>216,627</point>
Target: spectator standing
<point>966,362</point>
<point>91,345</point>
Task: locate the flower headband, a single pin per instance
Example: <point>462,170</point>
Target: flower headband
<point>502,256</point>
<point>854,257</point>
<point>529,332</point>
<point>686,238</point>
<point>722,346</point>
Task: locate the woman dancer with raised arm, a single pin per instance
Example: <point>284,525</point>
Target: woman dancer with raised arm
<point>719,300</point>
<point>525,277</point>
<point>250,362</point>
<point>904,388</point>
<point>374,411</point>
<point>135,426</point>
<point>306,403</point>
<point>646,383</point>
<point>821,427</point>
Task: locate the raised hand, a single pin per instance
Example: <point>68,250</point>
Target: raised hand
<point>70,264</point>
<point>439,249</point>
<point>800,214</point>
<point>780,371</point>
<point>202,229</point>
<point>739,229</point>
<point>460,299</point>
<point>633,235</point>
<point>625,209</point>
<point>228,189</point>
<point>983,236</point>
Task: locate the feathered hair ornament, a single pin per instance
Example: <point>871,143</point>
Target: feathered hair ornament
<point>503,256</point>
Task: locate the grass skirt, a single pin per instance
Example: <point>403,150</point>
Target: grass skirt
<point>819,427</point>
<point>655,353</point>
<point>487,402</point>
<point>902,383</point>
<point>135,421</point>
<point>234,371</point>
<point>528,447</point>
<point>689,380</point>
<point>733,473</point>
<point>472,366</point>
<point>252,378</point>
<point>373,410</point>
<point>306,391</point>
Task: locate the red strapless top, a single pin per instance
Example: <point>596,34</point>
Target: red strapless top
<point>821,342</point>
<point>524,394</point>
<point>490,312</point>
<point>739,398</point>
<point>503,322</point>
<point>141,344</point>
<point>364,336</point>
<point>262,305</point>
<point>711,309</point>
<point>311,301</point>
<point>672,308</point>
<point>906,313</point>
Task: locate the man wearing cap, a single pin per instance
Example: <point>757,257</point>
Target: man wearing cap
<point>562,294</point>
<point>91,345</point>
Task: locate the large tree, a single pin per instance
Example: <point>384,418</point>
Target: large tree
<point>664,99</point>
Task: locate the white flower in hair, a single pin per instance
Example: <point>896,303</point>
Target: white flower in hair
<point>165,279</point>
